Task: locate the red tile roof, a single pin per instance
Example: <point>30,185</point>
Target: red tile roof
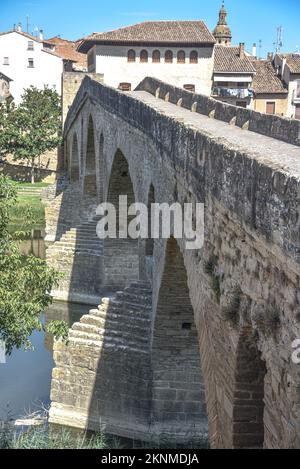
<point>67,50</point>
<point>293,62</point>
<point>265,80</point>
<point>228,60</point>
<point>153,32</point>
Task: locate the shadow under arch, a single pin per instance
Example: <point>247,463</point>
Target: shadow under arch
<point>101,168</point>
<point>248,398</point>
<point>178,403</point>
<point>90,179</point>
<point>74,161</point>
<point>121,255</point>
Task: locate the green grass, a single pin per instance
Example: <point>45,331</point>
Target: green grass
<point>42,437</point>
<point>27,213</point>
<point>55,437</point>
<point>36,185</point>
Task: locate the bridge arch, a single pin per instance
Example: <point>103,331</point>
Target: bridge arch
<point>178,386</point>
<point>121,255</point>
<point>90,179</point>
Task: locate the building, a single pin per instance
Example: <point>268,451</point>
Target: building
<point>25,60</point>
<point>270,92</point>
<point>74,60</point>
<point>222,32</point>
<point>5,88</point>
<point>233,76</point>
<point>288,69</point>
<point>179,52</point>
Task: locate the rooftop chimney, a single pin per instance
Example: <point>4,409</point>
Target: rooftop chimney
<point>283,65</point>
<point>41,35</point>
<point>19,27</point>
<point>254,49</point>
<point>242,50</point>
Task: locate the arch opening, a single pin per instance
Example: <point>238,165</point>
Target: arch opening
<point>169,57</point>
<point>90,182</point>
<point>149,248</point>
<point>74,164</point>
<point>121,255</point>
<point>144,56</point>
<point>179,403</point>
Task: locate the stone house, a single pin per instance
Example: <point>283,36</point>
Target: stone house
<point>270,92</point>
<point>233,75</point>
<point>179,52</point>
<point>288,69</point>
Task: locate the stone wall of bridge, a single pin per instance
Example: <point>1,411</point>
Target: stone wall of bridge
<point>243,285</point>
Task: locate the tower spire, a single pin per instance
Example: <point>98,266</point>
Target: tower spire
<point>222,32</point>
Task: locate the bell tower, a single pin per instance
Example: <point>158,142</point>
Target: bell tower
<point>222,32</point>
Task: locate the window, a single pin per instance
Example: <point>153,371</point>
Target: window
<point>169,57</point>
<point>270,107</point>
<point>144,56</point>
<point>131,56</point>
<point>30,45</point>
<point>189,87</point>
<point>125,86</point>
<point>194,57</point>
<point>5,60</point>
<point>156,56</point>
<point>181,57</point>
<point>298,89</point>
<point>30,63</point>
<point>297,112</point>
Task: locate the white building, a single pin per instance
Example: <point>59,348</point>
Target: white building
<point>25,60</point>
<point>178,52</point>
<point>288,69</point>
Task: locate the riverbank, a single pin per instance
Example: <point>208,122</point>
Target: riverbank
<point>29,212</point>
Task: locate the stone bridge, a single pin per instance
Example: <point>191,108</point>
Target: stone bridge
<point>185,341</point>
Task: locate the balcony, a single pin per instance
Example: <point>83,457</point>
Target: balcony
<point>235,93</point>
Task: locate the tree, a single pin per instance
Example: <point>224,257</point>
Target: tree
<point>25,284</point>
<point>32,128</point>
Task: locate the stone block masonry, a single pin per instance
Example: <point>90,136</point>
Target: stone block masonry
<point>222,319</point>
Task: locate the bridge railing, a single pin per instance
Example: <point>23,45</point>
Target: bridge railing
<point>280,128</point>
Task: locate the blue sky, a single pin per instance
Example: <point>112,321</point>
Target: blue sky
<point>250,20</point>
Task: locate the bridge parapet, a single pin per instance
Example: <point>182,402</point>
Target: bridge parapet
<point>281,128</point>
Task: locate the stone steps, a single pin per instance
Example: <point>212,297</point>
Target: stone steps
<point>115,323</point>
<point>122,322</point>
<point>77,254</point>
<point>104,334</point>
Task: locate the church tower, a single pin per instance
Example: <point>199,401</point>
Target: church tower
<point>222,32</point>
